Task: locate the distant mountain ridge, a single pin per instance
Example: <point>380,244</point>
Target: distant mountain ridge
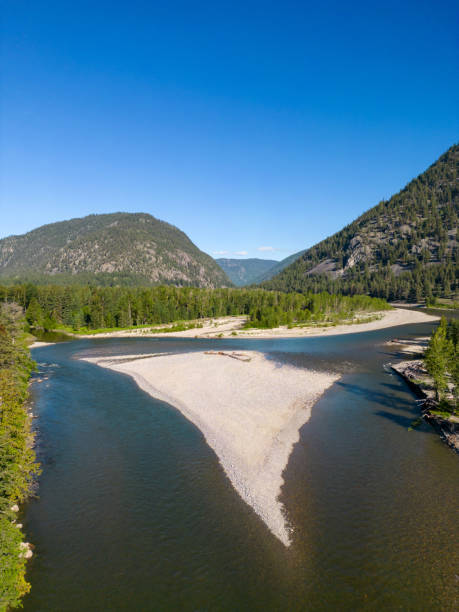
<point>278,267</point>
<point>404,248</point>
<point>245,271</point>
<point>109,249</point>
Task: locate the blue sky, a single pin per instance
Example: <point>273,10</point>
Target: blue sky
<point>249,125</point>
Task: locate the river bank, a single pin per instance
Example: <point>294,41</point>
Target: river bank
<point>135,504</point>
<point>249,408</point>
<point>413,371</point>
<point>39,344</point>
<point>227,327</point>
<point>18,466</point>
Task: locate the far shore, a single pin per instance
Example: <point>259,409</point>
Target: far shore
<point>232,327</point>
<point>38,344</point>
<point>249,408</point>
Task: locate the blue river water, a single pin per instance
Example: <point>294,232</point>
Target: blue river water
<point>134,511</point>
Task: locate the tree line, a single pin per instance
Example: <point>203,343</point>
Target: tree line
<point>17,458</point>
<point>84,307</point>
<point>420,283</point>
<point>442,362</point>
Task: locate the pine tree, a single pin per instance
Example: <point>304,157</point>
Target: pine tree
<point>437,359</point>
<point>34,313</point>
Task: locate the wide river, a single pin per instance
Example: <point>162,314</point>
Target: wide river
<point>135,513</point>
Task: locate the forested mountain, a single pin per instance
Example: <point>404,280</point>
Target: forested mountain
<point>404,248</point>
<point>113,249</point>
<point>245,271</point>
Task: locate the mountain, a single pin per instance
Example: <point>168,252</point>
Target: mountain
<point>278,267</point>
<point>245,271</point>
<point>405,248</point>
<point>112,249</point>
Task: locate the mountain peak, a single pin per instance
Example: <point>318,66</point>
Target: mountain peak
<point>115,248</point>
<point>403,248</point>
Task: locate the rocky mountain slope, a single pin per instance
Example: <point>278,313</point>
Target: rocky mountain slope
<point>245,271</point>
<point>404,248</point>
<point>112,249</point>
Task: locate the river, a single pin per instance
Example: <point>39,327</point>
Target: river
<point>135,513</point>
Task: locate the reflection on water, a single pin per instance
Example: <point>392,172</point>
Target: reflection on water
<point>443,312</point>
<point>135,512</point>
<point>50,336</point>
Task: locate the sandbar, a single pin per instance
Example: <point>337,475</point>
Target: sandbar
<point>248,407</point>
<point>229,327</point>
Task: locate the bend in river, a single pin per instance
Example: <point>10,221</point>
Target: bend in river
<point>136,512</point>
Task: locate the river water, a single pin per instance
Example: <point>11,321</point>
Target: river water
<point>135,513</point>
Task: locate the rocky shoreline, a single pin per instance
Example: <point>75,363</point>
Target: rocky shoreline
<point>415,374</point>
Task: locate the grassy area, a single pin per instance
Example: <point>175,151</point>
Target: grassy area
<point>175,328</point>
<point>331,322</point>
<point>442,413</point>
<point>444,304</point>
<point>415,423</point>
<point>334,323</point>
<point>84,331</point>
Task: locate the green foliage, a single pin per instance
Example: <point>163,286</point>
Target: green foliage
<point>13,585</point>
<point>34,314</point>
<point>278,309</point>
<point>434,303</point>
<point>415,423</point>
<point>99,309</point>
<point>442,360</point>
<point>404,249</point>
<point>452,335</point>
<point>17,459</point>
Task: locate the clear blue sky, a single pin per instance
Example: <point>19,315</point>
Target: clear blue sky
<point>246,124</point>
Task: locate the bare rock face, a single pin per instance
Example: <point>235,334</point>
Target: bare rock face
<point>360,252</point>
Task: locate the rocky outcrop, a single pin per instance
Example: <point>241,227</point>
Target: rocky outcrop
<point>414,373</point>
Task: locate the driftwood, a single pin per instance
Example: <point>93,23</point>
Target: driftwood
<point>238,356</point>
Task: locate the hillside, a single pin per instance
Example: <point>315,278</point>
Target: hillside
<point>405,248</point>
<point>112,249</point>
<point>278,267</point>
<point>246,271</point>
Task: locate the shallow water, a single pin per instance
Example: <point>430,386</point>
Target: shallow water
<point>135,512</point>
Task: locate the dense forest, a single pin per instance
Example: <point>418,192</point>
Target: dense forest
<point>406,248</point>
<point>420,283</point>
<point>17,459</point>
<point>79,308</point>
